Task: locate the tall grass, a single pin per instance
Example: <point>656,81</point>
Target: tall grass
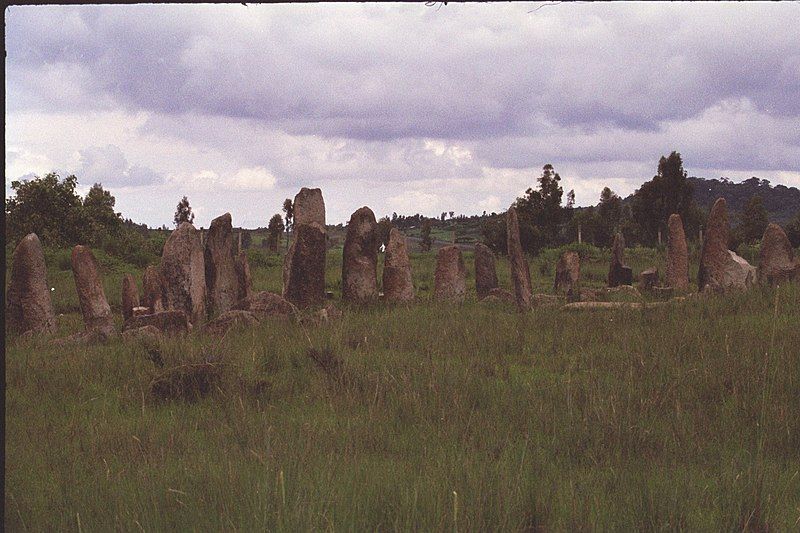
<point>428,417</point>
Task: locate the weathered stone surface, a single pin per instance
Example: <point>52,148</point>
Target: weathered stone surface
<point>266,303</point>
<point>618,272</point>
<point>677,254</point>
<point>89,285</point>
<point>648,279</point>
<point>171,321</point>
<point>304,266</point>
<point>28,304</point>
<point>360,258</point>
<point>450,278</point>
<point>520,270</point>
<point>230,319</point>
<point>222,283</point>
<point>499,295</point>
<point>145,333</point>
<point>245,279</point>
<point>309,207</point>
<point>568,273</point>
<point>776,257</point>
<point>130,296</point>
<point>139,311</point>
<point>154,289</point>
<point>398,286</point>
<point>485,272</point>
<point>721,269</point>
<point>183,268</point>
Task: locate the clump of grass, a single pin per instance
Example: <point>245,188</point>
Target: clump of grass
<point>189,382</point>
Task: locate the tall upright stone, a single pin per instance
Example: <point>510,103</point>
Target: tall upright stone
<point>222,282</point>
<point>485,272</point>
<point>398,286</point>
<point>720,268</point>
<point>520,270</point>
<point>130,296</point>
<point>28,304</point>
<point>183,268</point>
<point>245,279</point>
<point>154,290</point>
<point>360,258</point>
<point>568,273</point>
<point>776,257</point>
<point>96,312</point>
<point>677,254</point>
<point>618,272</point>
<point>309,207</point>
<point>450,278</point>
<point>304,266</point>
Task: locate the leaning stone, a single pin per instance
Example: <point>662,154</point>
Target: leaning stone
<point>228,320</point>
<point>776,257</point>
<point>130,296</point>
<point>485,272</point>
<point>172,321</point>
<point>183,268</point>
<point>309,207</point>
<point>360,258</point>
<point>499,295</point>
<point>735,273</point>
<point>450,278</point>
<point>568,272</point>
<point>398,286</point>
<point>677,254</point>
<point>245,279</point>
<point>222,282</point>
<point>266,303</point>
<point>544,300</point>
<point>648,279</point>
<point>618,272</point>
<point>714,256</point>
<point>28,304</point>
<point>154,289</point>
<point>304,266</point>
<point>89,285</point>
<point>520,270</point>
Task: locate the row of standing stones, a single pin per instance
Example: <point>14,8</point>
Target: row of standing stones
<point>197,280</point>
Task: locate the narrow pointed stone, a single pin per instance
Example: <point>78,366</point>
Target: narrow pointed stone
<point>96,312</point>
<point>360,258</point>
<point>28,304</point>
<point>520,270</point>
<point>677,254</point>
<point>485,272</point>
<point>398,286</point>
<point>130,296</point>
<point>450,278</point>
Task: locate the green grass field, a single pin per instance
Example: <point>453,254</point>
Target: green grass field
<point>431,417</point>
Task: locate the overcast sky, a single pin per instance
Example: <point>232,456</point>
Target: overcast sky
<point>400,107</point>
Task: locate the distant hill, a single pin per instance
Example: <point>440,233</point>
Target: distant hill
<point>780,201</point>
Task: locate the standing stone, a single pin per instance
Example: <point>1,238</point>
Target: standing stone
<point>360,258</point>
<point>245,280</point>
<point>618,272</point>
<point>309,207</point>
<point>220,266</point>
<point>776,257</point>
<point>304,266</point>
<point>568,273</point>
<point>28,304</point>
<point>677,254</point>
<point>183,268</point>
<point>485,273</point>
<point>648,279</point>
<point>720,268</point>
<point>154,289</point>
<point>450,278</point>
<point>397,283</point>
<point>130,296</point>
<point>94,306</point>
<point>520,270</point>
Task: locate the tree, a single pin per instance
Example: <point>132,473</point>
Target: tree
<point>494,233</point>
<point>754,220</point>
<point>609,212</point>
<point>274,230</point>
<point>570,199</point>
<point>383,229</point>
<point>793,230</point>
<point>101,222</point>
<point>426,242</point>
<point>451,213</point>
<point>443,215</point>
<point>47,206</point>
<point>540,211</point>
<point>183,212</point>
<point>668,192</point>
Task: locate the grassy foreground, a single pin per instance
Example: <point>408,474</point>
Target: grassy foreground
<point>433,417</point>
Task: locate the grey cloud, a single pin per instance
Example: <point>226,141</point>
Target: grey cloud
<point>109,166</point>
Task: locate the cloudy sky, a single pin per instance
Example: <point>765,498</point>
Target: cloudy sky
<point>401,107</point>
